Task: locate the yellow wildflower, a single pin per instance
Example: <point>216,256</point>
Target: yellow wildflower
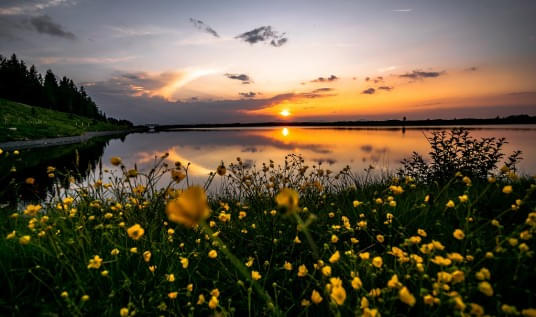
<point>458,234</point>
<point>450,204</point>
<point>135,231</point>
<point>123,312</point>
<point>212,254</point>
<point>476,309</point>
<point>184,262</point>
<point>338,294</point>
<point>31,210</point>
<point>507,189</point>
<point>173,295</point>
<point>213,302</point>
<point>255,275</point>
<point>422,233</point>
<point>189,208</point>
<point>377,262</point>
<point>394,282</point>
<point>25,239</point>
<point>115,160</point>
<point>11,235</point>
<point>287,198</point>
<point>326,270</point>
<point>356,283</point>
<point>529,312</point>
<point>335,257</point>
<point>316,298</point>
<point>406,297</point>
<point>302,270</point>
<point>147,256</point>
<point>95,263</point>
<point>483,274</point>
<point>364,255</point>
<point>287,266</point>
<point>485,288</point>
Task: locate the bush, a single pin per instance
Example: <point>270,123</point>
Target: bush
<point>457,151</point>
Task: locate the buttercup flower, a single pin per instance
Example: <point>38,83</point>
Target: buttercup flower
<point>287,198</point>
<point>189,208</point>
<point>316,298</point>
<point>135,232</point>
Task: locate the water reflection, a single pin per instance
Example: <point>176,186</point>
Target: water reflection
<point>336,147</point>
<point>383,148</point>
<point>82,158</point>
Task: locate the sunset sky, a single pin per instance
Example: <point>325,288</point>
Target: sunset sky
<point>249,61</point>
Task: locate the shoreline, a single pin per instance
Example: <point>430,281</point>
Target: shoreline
<point>40,143</point>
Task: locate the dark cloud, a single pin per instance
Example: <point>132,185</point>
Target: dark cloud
<point>320,90</point>
<point>250,94</point>
<point>45,25</point>
<point>325,79</point>
<point>317,93</point>
<point>200,25</point>
<point>386,88</point>
<point>378,79</point>
<point>245,79</point>
<point>418,74</point>
<point>369,91</point>
<point>263,34</point>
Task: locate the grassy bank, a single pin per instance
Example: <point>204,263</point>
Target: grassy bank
<point>22,122</point>
<point>331,245</point>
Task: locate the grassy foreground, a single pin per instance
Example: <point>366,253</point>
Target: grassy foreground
<point>22,122</point>
<point>332,245</point>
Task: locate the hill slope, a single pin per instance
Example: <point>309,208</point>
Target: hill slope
<point>22,122</point>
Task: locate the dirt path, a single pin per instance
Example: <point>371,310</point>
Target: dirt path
<point>19,145</point>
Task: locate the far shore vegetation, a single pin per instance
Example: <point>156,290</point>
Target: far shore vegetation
<point>33,107</point>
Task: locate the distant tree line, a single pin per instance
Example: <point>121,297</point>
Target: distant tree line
<point>26,85</point>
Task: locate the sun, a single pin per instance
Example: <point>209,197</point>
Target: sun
<point>285,113</point>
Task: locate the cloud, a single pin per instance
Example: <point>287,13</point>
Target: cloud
<point>263,34</point>
<point>326,79</point>
<point>471,69</point>
<point>31,6</point>
<point>245,79</point>
<point>402,10</point>
<point>151,85</point>
<point>418,74</point>
<point>386,88</point>
<point>378,79</point>
<point>200,25</point>
<point>319,90</point>
<point>45,25</point>
<point>250,94</point>
<point>369,91</point>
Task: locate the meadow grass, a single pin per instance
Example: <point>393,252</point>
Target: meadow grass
<point>279,240</point>
<point>22,122</point>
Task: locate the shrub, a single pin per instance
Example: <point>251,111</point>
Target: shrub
<point>457,151</point>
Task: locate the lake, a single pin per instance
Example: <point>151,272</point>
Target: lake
<point>333,147</point>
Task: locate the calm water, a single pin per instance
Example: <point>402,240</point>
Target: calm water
<point>383,148</point>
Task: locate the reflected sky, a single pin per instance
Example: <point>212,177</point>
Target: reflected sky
<point>333,147</point>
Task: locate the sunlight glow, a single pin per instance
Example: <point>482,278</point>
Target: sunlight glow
<point>284,131</point>
<point>285,113</point>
